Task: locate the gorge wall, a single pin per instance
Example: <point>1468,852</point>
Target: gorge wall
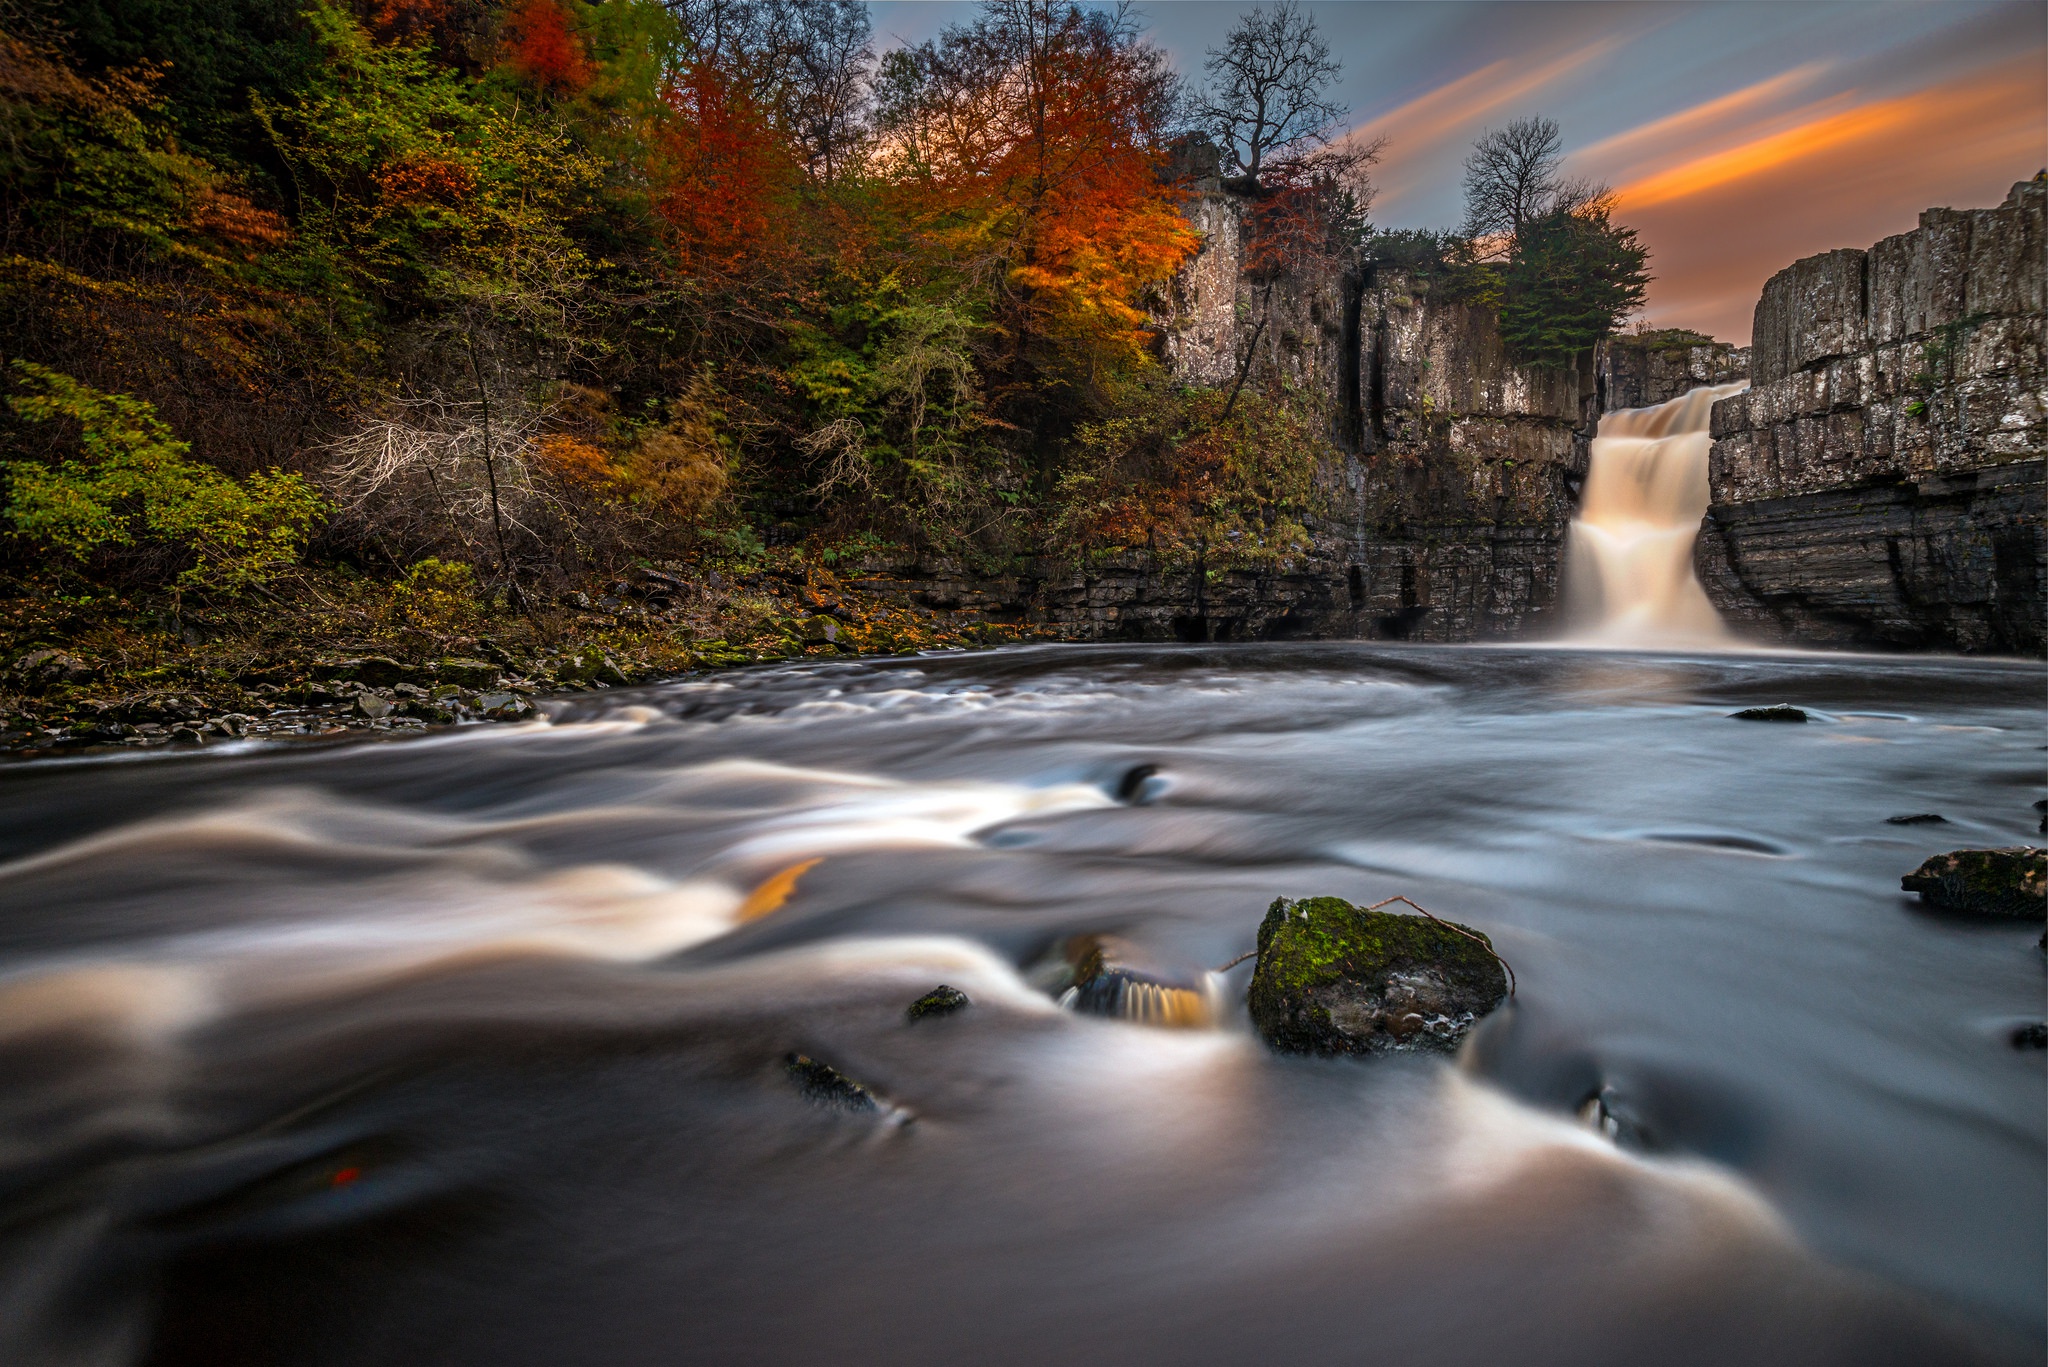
<point>1881,484</point>
<point>1443,512</point>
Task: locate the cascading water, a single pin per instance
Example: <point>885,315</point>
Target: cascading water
<point>1628,568</point>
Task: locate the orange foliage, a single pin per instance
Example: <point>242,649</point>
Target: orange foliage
<point>574,461</point>
<point>233,221</point>
<point>406,20</point>
<point>542,47</point>
<point>728,172</point>
<point>1038,136</point>
<point>424,180</point>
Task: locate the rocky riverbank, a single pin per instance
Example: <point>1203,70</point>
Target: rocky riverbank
<point>332,658</point>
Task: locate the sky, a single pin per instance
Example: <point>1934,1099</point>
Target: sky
<point>1740,136</point>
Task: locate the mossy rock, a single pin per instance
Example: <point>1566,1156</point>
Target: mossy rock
<point>1336,979</point>
<point>940,1001</point>
<point>2011,882</point>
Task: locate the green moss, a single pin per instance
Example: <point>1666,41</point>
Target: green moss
<point>2011,882</point>
<point>940,1001</point>
<point>1319,942</point>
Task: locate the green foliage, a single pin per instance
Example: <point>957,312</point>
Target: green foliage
<point>1570,280</point>
<point>212,53</point>
<point>135,483</point>
<point>438,596</point>
<point>1170,473</point>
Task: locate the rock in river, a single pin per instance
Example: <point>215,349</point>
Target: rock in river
<point>1336,979</point>
<point>1778,713</point>
<point>2011,882</point>
<point>940,1001</point>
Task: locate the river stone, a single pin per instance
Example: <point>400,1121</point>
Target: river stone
<point>824,1085</point>
<point>466,672</point>
<point>1335,979</point>
<point>2011,882</point>
<point>1780,713</point>
<point>940,1001</point>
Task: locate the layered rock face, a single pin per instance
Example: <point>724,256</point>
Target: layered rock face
<point>1449,523</point>
<point>1882,482</point>
<point>1644,369</point>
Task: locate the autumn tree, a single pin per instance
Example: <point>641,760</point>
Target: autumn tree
<point>1032,140</point>
<point>1271,94</point>
<point>804,63</point>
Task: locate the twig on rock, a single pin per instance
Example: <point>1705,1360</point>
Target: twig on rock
<point>1476,939</point>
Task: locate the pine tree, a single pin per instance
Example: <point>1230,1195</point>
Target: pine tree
<point>1572,277</point>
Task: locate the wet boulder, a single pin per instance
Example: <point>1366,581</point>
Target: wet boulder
<point>1779,713</point>
<point>1333,978</point>
<point>823,1085</point>
<point>940,1001</point>
<point>2010,882</point>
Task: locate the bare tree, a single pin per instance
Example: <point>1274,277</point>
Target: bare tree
<point>1272,76</point>
<point>1512,178</point>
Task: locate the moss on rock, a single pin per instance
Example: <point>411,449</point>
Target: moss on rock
<point>1333,978</point>
<point>2010,882</point>
<point>940,1001</point>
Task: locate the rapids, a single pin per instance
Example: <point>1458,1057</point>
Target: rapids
<point>470,1049</point>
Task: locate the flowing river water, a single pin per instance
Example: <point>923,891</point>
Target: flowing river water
<point>470,1049</point>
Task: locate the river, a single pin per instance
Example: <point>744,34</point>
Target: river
<point>470,1049</point>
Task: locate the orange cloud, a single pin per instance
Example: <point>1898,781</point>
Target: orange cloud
<point>1720,224</point>
<point>1969,110</point>
<point>1674,128</point>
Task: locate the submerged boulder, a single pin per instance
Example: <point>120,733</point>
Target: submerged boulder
<point>823,1085</point>
<point>940,1001</point>
<point>1096,975</point>
<point>2010,882</point>
<point>1337,979</point>
<point>1778,713</point>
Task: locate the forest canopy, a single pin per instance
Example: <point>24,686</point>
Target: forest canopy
<point>547,286</point>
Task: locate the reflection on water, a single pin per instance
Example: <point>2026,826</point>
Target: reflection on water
<point>472,1049</point>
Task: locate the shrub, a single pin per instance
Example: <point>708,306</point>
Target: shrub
<point>135,484</point>
<point>438,596</point>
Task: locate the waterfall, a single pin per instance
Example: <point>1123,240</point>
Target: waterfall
<point>1628,563</point>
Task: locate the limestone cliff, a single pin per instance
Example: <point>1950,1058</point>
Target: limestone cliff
<point>1881,482</point>
<point>1637,370</point>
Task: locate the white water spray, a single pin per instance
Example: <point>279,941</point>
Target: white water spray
<point>1628,566</point>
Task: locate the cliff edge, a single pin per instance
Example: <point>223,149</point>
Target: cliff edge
<point>1881,483</point>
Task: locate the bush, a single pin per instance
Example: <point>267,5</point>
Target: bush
<point>439,597</point>
<point>135,485</point>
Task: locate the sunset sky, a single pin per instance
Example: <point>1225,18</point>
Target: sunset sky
<point>1740,136</point>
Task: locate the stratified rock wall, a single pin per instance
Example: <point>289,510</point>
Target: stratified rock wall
<point>1641,370</point>
<point>1881,482</point>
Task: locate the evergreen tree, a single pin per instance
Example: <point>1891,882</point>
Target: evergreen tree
<point>1571,279</point>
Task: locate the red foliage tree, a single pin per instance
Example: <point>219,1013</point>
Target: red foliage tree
<point>541,46</point>
<point>727,173</point>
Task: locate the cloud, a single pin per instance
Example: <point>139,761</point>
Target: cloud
<point>1457,108</point>
<point>1661,137</point>
<point>1720,221</point>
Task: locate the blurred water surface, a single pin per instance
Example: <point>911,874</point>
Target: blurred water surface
<point>470,1049</point>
